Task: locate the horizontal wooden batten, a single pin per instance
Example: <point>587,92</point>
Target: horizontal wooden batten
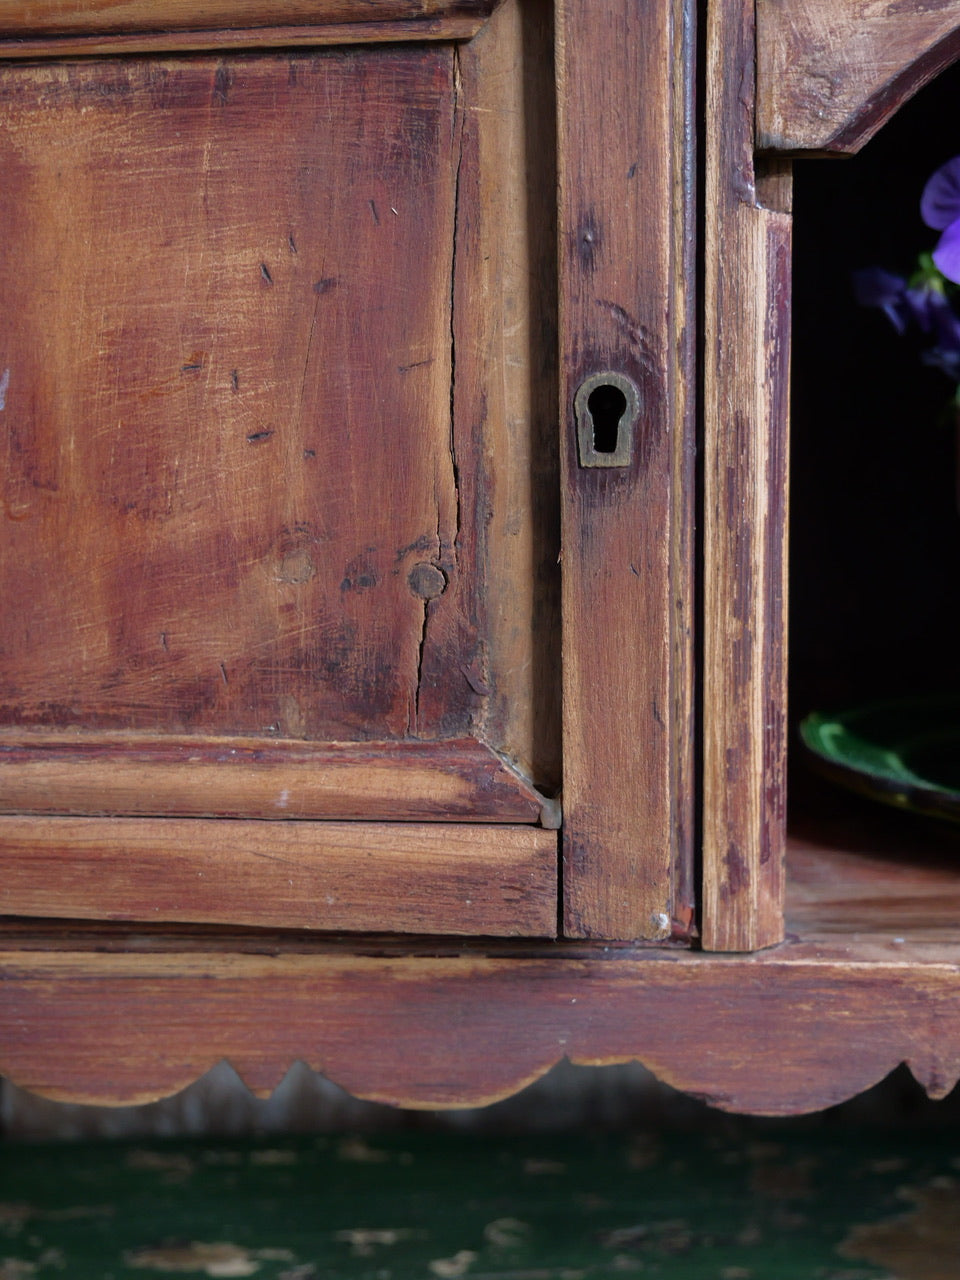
<point>60,17</point>
<point>117,774</point>
<point>499,881</point>
<point>452,27</point>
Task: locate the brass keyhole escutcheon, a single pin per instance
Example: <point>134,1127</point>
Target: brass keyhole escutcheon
<point>606,408</point>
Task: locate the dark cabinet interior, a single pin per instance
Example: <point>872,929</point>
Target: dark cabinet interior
<point>874,528</point>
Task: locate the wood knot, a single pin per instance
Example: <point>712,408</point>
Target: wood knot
<point>296,566</point>
<point>427,581</point>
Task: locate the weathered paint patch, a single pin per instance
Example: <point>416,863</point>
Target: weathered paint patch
<point>451,1268</point>
<point>364,1241</point>
<point>922,1245</point>
<point>211,1259</point>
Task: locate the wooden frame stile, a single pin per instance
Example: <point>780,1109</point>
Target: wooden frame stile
<point>626,282</point>
<point>782,81</point>
<point>746,373</point>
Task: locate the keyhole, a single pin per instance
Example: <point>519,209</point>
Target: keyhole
<point>606,405</point>
<point>606,408</point>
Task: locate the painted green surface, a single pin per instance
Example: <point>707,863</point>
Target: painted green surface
<point>753,1204</point>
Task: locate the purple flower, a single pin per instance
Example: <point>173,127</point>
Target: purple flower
<point>925,306</point>
<point>921,307</point>
<point>944,326</point>
<point>904,305</point>
<point>875,287</point>
<point>940,209</point>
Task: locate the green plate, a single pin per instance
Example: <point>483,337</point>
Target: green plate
<point>904,753</point>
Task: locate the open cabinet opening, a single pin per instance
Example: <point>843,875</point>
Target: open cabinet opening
<point>874,541</point>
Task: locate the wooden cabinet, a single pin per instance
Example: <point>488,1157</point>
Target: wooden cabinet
<point>360,585</point>
<point>260,551</point>
<point>283,490</point>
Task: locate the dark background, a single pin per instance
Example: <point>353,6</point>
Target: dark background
<point>875,533</point>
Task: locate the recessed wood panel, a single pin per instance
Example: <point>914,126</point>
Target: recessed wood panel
<point>229,495</point>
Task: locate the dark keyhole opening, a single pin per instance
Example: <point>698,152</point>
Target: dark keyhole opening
<point>607,405</point>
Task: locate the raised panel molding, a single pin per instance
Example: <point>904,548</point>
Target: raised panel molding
<point>61,28</point>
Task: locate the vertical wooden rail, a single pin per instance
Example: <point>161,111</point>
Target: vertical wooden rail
<point>746,367</point>
<point>623,119</point>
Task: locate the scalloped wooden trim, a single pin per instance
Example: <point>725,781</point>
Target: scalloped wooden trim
<point>770,1035</point>
<point>830,73</point>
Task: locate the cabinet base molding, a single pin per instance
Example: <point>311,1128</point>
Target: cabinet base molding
<point>791,1030</point>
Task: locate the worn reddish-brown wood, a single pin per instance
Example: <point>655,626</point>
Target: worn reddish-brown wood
<point>746,362</point>
<point>238,777</point>
<point>357,876</point>
<point>32,17</point>
<point>268,549</point>
<point>434,439</point>
<point>505,381</point>
<point>831,72</point>
<point>445,27</point>
<point>296,566</point>
<point>789,1030</point>
<point>230,506</point>
<point>623,184</point>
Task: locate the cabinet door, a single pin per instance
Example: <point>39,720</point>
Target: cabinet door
<point>281,487</point>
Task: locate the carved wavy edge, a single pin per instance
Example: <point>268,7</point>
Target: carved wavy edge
<point>773,1035</point>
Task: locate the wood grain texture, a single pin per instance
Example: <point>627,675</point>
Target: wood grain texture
<point>35,17</point>
<point>684,620</point>
<point>860,875</point>
<point>746,363</point>
<point>352,876</point>
<point>505,376</point>
<point>447,27</point>
<point>831,72</point>
<point>621,310</point>
<point>787,1031</point>
<point>200,776</point>
<point>347,549</point>
<point>230,503</point>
